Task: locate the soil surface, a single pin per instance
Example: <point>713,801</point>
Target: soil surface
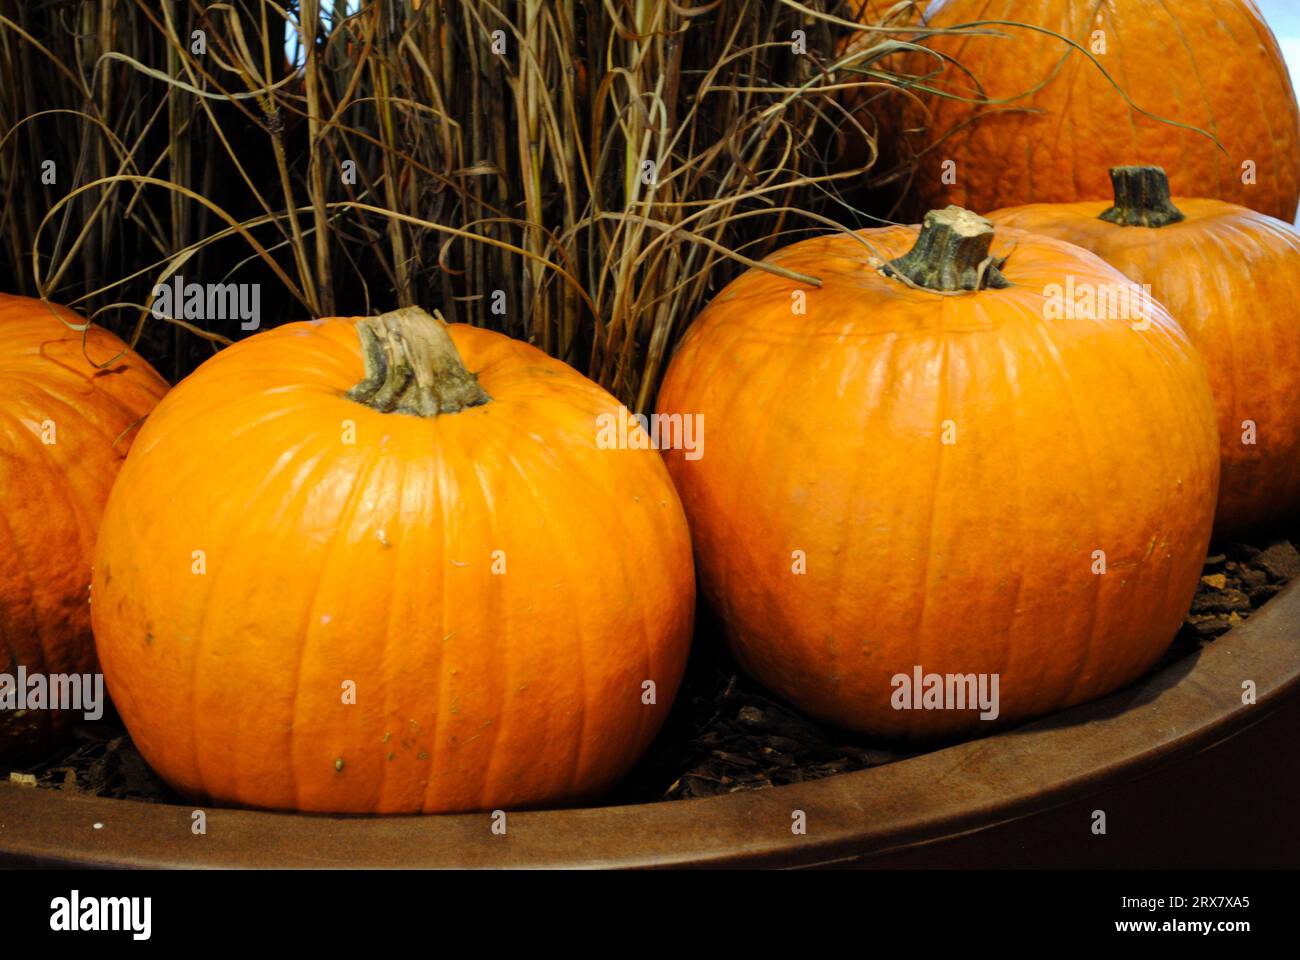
<point>725,732</point>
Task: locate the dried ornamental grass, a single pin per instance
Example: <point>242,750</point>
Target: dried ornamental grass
<point>581,174</point>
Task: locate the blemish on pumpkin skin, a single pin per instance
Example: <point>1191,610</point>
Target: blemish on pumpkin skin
<point>422,755</point>
<point>338,765</point>
<point>391,755</point>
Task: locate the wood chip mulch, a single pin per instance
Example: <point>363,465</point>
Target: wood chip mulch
<point>100,760</point>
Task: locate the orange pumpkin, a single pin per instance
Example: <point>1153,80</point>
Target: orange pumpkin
<point>910,467</point>
<point>433,591</point>
<point>73,395</point>
<point>1212,64</point>
<point>1231,277</point>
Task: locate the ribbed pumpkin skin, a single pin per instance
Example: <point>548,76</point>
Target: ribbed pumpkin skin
<point>53,493</point>
<point>1213,64</point>
<point>371,562</point>
<point>1231,278</point>
<point>825,435</point>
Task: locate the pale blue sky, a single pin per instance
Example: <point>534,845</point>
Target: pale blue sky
<point>1283,17</point>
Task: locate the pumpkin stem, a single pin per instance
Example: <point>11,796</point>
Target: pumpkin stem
<point>1141,198</point>
<point>412,366</point>
<point>951,253</point>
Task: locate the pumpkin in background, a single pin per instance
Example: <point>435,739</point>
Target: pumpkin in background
<point>907,471</point>
<point>873,105</point>
<point>337,510</point>
<point>1212,64</point>
<point>71,397</point>
<point>1231,278</point>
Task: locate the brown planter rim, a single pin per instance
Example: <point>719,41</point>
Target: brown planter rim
<point>1190,706</point>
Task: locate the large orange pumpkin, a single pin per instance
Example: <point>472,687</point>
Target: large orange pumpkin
<point>71,397</point>
<point>340,573</point>
<point>1231,277</point>
<point>905,472</point>
<point>1212,64</point>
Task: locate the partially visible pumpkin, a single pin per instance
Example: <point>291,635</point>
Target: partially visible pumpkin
<point>341,573</point>
<point>1212,64</point>
<point>871,104</point>
<point>1231,277</point>
<point>71,398</point>
<point>911,467</point>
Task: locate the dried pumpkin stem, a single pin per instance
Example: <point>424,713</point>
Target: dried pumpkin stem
<point>1141,198</point>
<point>951,254</point>
<point>413,367</point>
